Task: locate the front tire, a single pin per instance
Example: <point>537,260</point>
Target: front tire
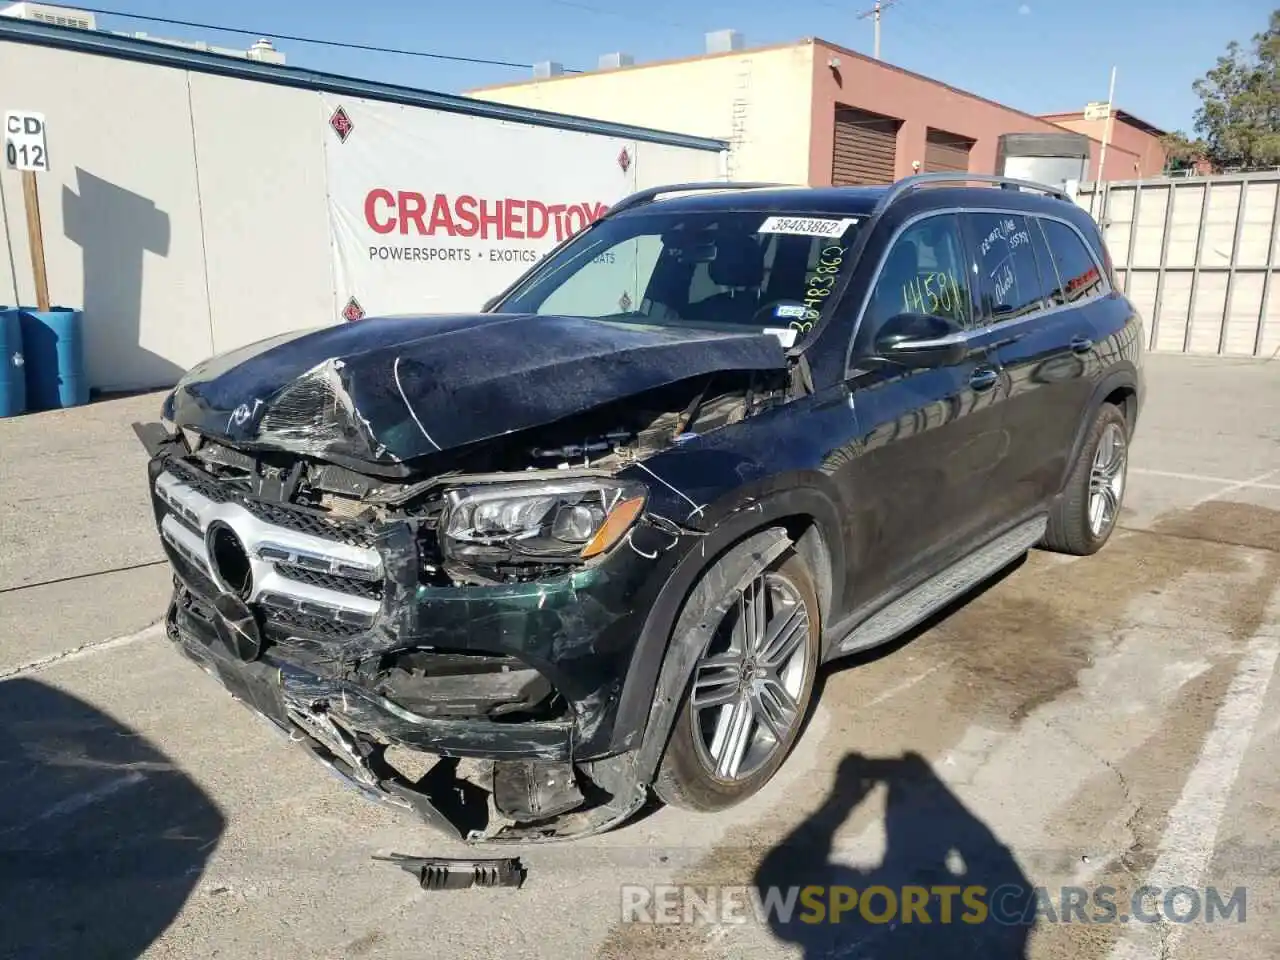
<point>749,694</point>
<point>1086,513</point>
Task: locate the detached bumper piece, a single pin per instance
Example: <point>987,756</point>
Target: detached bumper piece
<point>444,873</point>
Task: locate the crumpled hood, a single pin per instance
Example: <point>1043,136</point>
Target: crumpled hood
<point>387,389</point>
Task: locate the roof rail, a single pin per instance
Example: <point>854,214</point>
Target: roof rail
<point>652,193</point>
<point>907,184</point>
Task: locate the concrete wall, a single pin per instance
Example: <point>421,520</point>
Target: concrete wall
<point>755,99</point>
<point>1137,153</point>
<point>918,101</point>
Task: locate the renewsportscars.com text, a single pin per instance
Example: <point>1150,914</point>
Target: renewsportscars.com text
<point>1008,905</point>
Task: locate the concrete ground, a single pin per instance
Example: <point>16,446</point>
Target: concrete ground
<point>1083,723</point>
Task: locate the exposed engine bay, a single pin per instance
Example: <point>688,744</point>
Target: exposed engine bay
<point>600,441</point>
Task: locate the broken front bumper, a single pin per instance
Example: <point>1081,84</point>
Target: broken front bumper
<point>298,703</point>
<point>308,644</point>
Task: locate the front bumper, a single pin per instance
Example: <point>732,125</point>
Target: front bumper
<point>300,705</point>
<point>320,640</point>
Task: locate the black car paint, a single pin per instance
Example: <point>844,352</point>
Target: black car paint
<point>877,474</point>
<point>405,378</point>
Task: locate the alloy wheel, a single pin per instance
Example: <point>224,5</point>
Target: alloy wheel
<point>748,684</point>
<point>1106,479</point>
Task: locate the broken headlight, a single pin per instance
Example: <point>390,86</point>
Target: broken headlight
<point>562,520</point>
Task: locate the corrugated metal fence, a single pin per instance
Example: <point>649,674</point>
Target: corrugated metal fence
<point>1198,257</point>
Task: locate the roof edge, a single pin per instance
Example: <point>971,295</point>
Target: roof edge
<point>98,43</point>
<point>1124,116</point>
<point>648,64</point>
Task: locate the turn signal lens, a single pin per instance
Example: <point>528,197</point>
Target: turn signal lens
<point>615,526</point>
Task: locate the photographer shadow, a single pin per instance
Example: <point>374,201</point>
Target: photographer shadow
<point>102,837</point>
<point>932,844</point>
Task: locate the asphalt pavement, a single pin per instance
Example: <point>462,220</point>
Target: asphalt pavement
<point>1098,724</point>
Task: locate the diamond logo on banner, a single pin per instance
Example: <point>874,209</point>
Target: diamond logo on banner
<point>624,160</point>
<point>352,311</point>
<point>341,124</point>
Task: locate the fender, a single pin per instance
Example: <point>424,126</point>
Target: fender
<point>1123,376</point>
<point>627,775</point>
<point>635,717</point>
<point>697,621</point>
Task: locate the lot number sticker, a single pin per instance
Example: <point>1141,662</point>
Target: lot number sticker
<point>24,141</point>
<point>808,226</point>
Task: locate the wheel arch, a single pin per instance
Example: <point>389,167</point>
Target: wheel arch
<point>802,519</point>
<point>1120,388</point>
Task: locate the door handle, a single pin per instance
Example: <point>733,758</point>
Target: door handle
<point>983,379</point>
<point>1081,345</point>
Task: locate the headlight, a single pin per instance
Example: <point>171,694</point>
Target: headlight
<point>562,520</point>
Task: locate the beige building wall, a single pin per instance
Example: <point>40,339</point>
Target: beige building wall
<point>755,99</point>
<point>1131,152</point>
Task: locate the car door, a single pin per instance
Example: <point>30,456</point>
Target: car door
<point>1044,344</point>
<point>928,436</point>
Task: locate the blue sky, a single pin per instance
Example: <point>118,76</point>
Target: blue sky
<point>1036,55</point>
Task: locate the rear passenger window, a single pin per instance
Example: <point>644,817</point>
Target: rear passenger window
<point>923,273</point>
<point>1050,282</point>
<point>1079,272</point>
<point>1010,282</point>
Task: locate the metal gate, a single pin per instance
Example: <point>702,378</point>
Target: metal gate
<point>865,148</point>
<point>1198,257</point>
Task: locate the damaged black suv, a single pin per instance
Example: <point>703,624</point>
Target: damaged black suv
<point>519,570</point>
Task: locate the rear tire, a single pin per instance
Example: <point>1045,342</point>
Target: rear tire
<point>1085,514</point>
<point>753,683</point>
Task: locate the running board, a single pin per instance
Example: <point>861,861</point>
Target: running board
<point>935,593</point>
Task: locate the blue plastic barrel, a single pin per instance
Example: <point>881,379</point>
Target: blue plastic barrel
<point>13,375</point>
<point>53,345</point>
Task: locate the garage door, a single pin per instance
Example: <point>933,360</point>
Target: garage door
<point>945,151</point>
<point>866,146</point>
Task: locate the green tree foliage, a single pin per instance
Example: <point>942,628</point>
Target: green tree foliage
<point>1238,122</point>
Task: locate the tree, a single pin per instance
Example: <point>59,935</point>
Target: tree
<point>1238,121</point>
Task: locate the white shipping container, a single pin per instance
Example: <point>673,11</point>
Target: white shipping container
<point>196,203</point>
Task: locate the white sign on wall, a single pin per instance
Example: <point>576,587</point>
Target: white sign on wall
<point>435,212</point>
<point>1097,110</point>
<point>25,147</point>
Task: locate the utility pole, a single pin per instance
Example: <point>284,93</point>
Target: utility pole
<point>1106,129</point>
<point>874,13</point>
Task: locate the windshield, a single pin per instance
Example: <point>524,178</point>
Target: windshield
<point>706,269</point>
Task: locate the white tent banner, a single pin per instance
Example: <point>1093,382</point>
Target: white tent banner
<point>435,212</point>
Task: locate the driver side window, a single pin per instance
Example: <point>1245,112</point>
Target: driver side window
<point>924,273</point>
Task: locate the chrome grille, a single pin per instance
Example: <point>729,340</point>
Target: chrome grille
<point>293,573</point>
<point>294,518</point>
<point>361,588</point>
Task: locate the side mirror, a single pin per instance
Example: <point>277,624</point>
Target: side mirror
<point>921,340</point>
